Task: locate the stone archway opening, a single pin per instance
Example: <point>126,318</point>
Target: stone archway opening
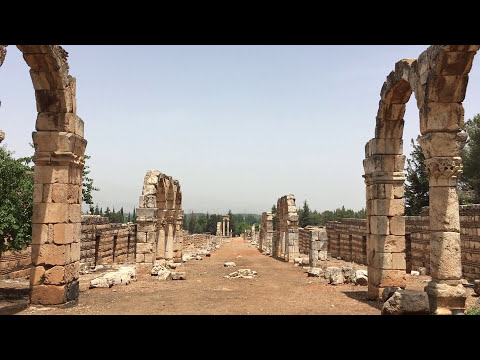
<point>438,79</point>
<point>59,159</point>
<point>159,221</point>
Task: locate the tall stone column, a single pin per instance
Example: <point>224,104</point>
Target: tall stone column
<point>384,178</point>
<point>223,227</point>
<point>161,240</point>
<point>56,223</point>
<point>170,236</point>
<point>228,227</point>
<point>178,238</point>
<point>444,164</point>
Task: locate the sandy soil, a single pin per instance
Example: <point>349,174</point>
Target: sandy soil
<point>279,288</point>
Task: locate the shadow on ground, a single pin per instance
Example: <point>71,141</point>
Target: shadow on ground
<point>361,296</point>
<point>13,300</point>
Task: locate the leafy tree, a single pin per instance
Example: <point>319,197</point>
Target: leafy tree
<point>469,182</point>
<point>275,220</point>
<point>134,216</point>
<point>192,220</point>
<point>16,205</point>
<point>416,184</point>
<point>87,185</point>
<point>233,225</point>
<point>304,215</point>
<point>97,210</point>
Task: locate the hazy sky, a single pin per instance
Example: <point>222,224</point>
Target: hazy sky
<point>238,126</point>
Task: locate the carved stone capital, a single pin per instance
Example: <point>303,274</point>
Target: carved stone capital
<point>2,136</point>
<point>444,166</point>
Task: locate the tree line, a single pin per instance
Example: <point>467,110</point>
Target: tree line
<point>307,217</point>
<point>199,223</point>
<point>113,216</point>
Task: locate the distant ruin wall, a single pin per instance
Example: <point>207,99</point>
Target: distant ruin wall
<point>15,264</point>
<point>105,243</point>
<point>347,240</point>
<point>101,243</point>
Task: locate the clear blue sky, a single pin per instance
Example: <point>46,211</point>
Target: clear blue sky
<point>238,126</point>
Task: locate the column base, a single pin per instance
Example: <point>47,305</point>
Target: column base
<point>446,297</point>
<point>64,295</point>
<point>374,292</point>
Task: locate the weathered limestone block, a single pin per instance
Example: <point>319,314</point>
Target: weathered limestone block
<point>406,302</point>
<point>389,291</point>
<point>361,277</point>
<point>446,297</point>
<point>229,264</point>
<point>163,275</point>
<point>314,272</point>
<point>348,273</point>
<point>179,275</point>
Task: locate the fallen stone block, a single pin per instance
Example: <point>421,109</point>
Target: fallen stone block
<point>100,282</point>
<point>229,264</point>
<point>422,270</point>
<point>407,302</point>
<point>305,261</point>
<point>198,257</point>
<point>173,265</point>
<point>164,275</point>
<point>329,270</point>
<point>297,261</point>
<point>334,275</point>
<point>348,273</point>
<point>156,269</point>
<point>388,292</point>
<point>123,275</point>
<point>414,273</point>
<point>98,268</point>
<point>360,277</point>
<point>178,275</point>
<point>314,272</point>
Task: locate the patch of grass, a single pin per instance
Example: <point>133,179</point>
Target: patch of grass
<point>473,311</point>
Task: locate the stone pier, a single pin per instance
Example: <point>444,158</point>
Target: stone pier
<point>285,245</point>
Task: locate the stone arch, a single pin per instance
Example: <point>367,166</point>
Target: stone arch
<point>59,159</point>
<point>157,220</point>
<point>438,78</point>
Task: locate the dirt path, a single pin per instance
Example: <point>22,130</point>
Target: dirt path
<point>279,288</point>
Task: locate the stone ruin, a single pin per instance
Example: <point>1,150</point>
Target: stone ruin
<point>285,244</point>
<point>219,228</point>
<point>226,226</point>
<point>59,160</point>
<point>439,80</point>
<point>159,221</point>
<point>265,237</point>
<point>317,240</point>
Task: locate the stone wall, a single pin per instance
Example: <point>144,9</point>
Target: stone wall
<point>196,240</point>
<point>348,240</point>
<point>285,245</point>
<point>106,243</point>
<point>313,241</point>
<point>304,238</point>
<point>15,264</point>
<point>417,240</point>
<point>100,243</point>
